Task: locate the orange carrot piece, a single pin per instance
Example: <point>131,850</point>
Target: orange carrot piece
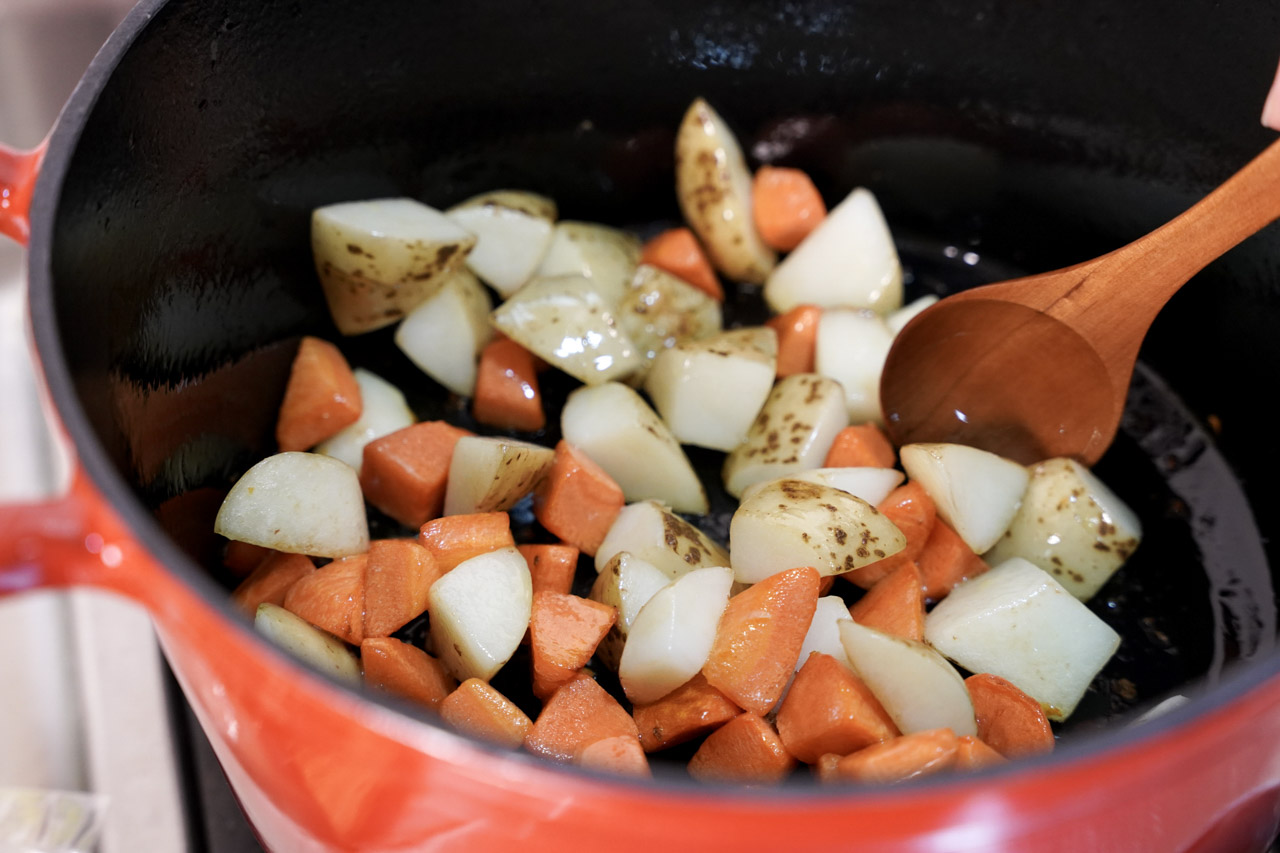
<point>678,252</point>
<point>1010,721</point>
<point>551,567</point>
<point>564,631</point>
<point>759,637</point>
<point>746,749</point>
<point>690,711</point>
<point>268,583</point>
<point>946,560</point>
<point>241,558</point>
<point>578,714</point>
<point>830,710</point>
<point>477,709</point>
<point>404,474</point>
<point>507,395</point>
<point>825,584</point>
<point>405,670</point>
<point>786,206</point>
<point>861,446</point>
<point>398,575</point>
<point>456,538</point>
<point>913,512</point>
<point>577,500</point>
<point>321,398</point>
<point>905,757</point>
<point>973,754</point>
<point>332,598</point>
<point>797,339</point>
<point>621,754</point>
<point>895,605</point>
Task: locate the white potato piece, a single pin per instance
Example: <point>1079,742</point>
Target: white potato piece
<point>672,635</point>
<point>566,322</point>
<point>824,631</point>
<point>978,493</point>
<point>849,260</point>
<point>513,231</point>
<point>1072,526</point>
<point>917,687</point>
<point>479,613</point>
<point>653,533</point>
<point>618,431</point>
<point>851,348</point>
<point>383,412</point>
<point>492,474</point>
<point>378,259</point>
<point>873,485</point>
<point>904,315</point>
<point>445,333</point>
<point>710,391</point>
<point>791,523</point>
<point>300,503</point>
<point>605,256</point>
<point>308,643</point>
<point>659,311</point>
<point>1017,622</point>
<point>713,186</point>
<point>793,432</point>
<point>625,583</point>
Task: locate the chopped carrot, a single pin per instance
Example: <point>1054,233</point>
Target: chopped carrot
<point>905,757</point>
<point>507,395</point>
<point>912,511</point>
<point>243,557</point>
<point>797,339</point>
<point>825,583</point>
<point>895,605</point>
<point>1009,720</point>
<point>332,598</point>
<point>830,710</point>
<point>322,396</point>
<point>759,637</point>
<point>577,500</point>
<point>404,474</point>
<point>564,631</point>
<point>786,206</point>
<point>578,714</point>
<point>678,252</point>
<point>268,583</point>
<point>621,754</point>
<point>746,749</point>
<point>690,711</point>
<point>405,670</point>
<point>946,560</point>
<point>456,538</point>
<point>861,446</point>
<point>477,709</point>
<point>552,567</point>
<point>398,575</point>
<point>973,754</point>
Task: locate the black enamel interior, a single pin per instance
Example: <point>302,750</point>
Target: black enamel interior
<point>176,275</point>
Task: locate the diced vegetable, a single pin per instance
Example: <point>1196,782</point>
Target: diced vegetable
<point>829,709</point>
<point>446,331</point>
<point>577,715</point>
<point>513,232</point>
<point>551,567</point>
<point>307,643</point>
<point>746,749</point>
<point>620,754</point>
<point>977,492</point>
<point>678,252</point>
<point>606,256</point>
<point>507,394</point>
<point>912,511</point>
<point>861,446</point>
<point>785,206</point>
<point>895,605</point>
<point>823,635</point>
<point>626,584</point>
<point>477,709</point>
<point>873,485</point>
<point>907,757</point>
<point>659,311</point>
<point>797,339</point>
<point>405,670</point>
<point>322,396</point>
<point>973,754</point>
<point>384,411</point>
<point>851,348</point>
<point>945,561</point>
<point>690,711</point>
<point>653,533</point>
<point>479,613</point>
<point>577,500</point>
<point>564,631</point>
<point>398,575</point>
<point>488,474</point>
<point>1010,721</point>
<point>268,583</point>
<point>332,598</point>
<point>405,473</point>
<point>455,539</point>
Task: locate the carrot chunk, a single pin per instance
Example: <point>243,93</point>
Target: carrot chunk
<point>404,474</point>
<point>797,339</point>
<point>905,757</point>
<point>690,711</point>
<point>332,598</point>
<point>321,398</point>
<point>577,715</point>
<point>397,577</point>
<point>973,754</point>
<point>551,567</point>
<point>786,206</point>
<point>241,558</point>
<point>1009,721</point>
<point>759,637</point>
<point>678,252</point>
<point>456,538</point>
<point>895,605</point>
<point>861,446</point>
<point>946,560</point>
<point>564,631</point>
<point>477,709</point>
<point>621,754</point>
<point>405,670</point>
<point>830,710</point>
<point>913,512</point>
<point>507,395</point>
<point>577,500</point>
<point>268,583</point>
<point>746,749</point>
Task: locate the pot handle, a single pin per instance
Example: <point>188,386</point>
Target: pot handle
<point>18,171</point>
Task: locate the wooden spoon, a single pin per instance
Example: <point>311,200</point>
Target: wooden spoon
<point>1039,367</point>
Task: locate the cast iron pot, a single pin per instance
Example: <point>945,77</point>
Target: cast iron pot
<point>170,279</point>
